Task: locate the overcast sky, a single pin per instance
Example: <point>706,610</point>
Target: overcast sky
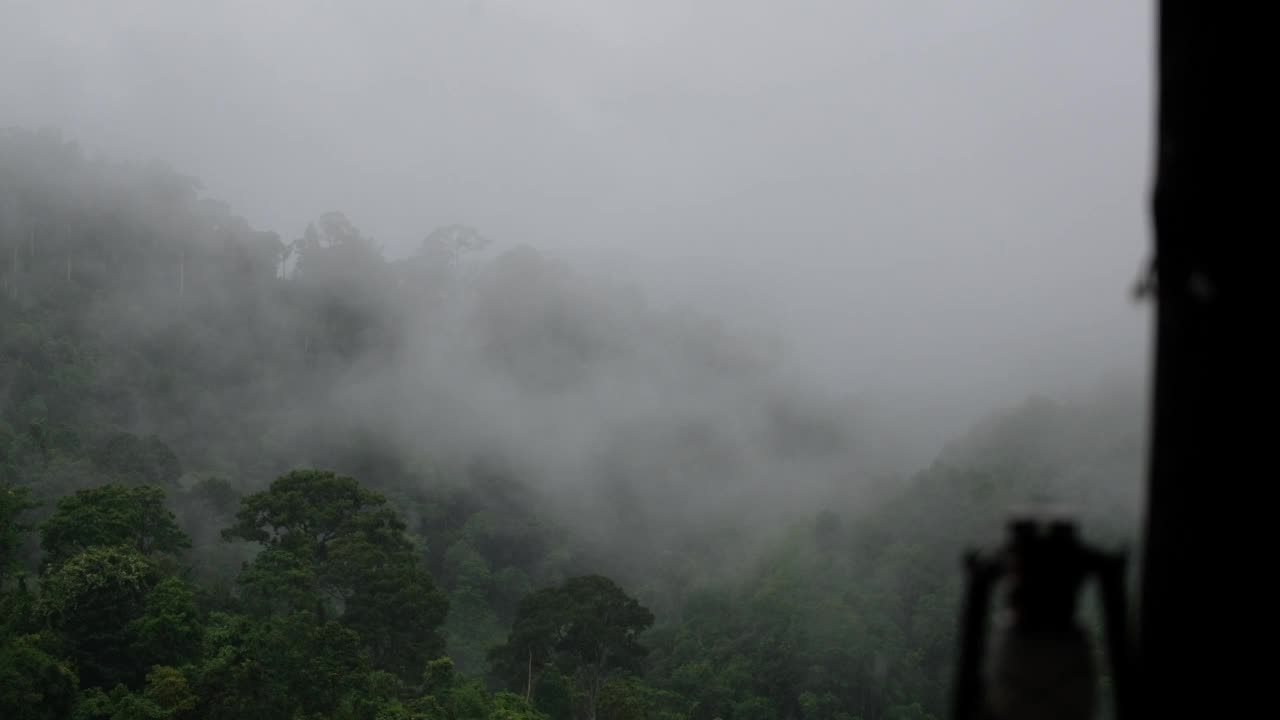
<point>921,195</point>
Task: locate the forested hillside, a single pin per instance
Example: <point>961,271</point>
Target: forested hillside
<point>244,476</point>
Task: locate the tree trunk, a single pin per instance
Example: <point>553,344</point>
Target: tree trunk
<point>528,682</point>
<point>595,678</point>
<point>593,695</point>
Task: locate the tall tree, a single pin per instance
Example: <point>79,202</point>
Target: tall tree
<point>337,549</point>
<point>533,642</point>
<point>92,600</point>
<point>588,628</point>
<point>111,515</point>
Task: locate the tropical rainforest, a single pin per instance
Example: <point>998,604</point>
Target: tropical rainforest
<point>246,477</point>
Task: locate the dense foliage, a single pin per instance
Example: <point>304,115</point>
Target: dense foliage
<point>170,378</point>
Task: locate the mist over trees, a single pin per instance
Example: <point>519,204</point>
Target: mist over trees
<point>245,475</point>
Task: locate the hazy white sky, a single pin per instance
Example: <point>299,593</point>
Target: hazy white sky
<point>922,194</point>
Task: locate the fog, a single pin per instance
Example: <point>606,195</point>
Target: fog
<point>781,247</point>
<point>764,311</point>
<point>926,200</point>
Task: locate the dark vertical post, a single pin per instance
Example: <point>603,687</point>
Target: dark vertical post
<point>980,578</point>
<point>1203,573</point>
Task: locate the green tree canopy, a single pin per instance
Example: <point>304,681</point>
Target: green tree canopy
<point>588,628</point>
<point>92,599</point>
<point>337,549</point>
<point>34,683</point>
<point>168,631</point>
<point>111,515</point>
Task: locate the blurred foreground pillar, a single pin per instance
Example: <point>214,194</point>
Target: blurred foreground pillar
<point>1206,613</point>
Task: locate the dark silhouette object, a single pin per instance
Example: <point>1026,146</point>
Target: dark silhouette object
<point>1202,619</point>
<point>1042,664</point>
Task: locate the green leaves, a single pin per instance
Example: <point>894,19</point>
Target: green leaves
<point>600,624</point>
<point>34,683</point>
<point>119,704</point>
<point>168,688</point>
<point>338,550</point>
<point>627,698</point>
<point>305,510</point>
<point>98,577</point>
<point>111,515</point>
<point>288,666</point>
<point>588,628</point>
<point>169,629</point>
<point>91,600</point>
<point>278,582</point>
<point>802,636</point>
<point>509,706</point>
